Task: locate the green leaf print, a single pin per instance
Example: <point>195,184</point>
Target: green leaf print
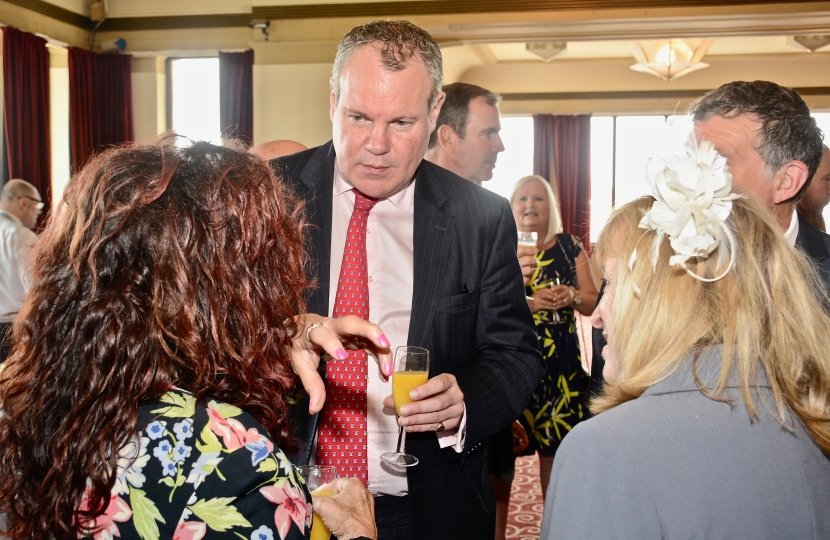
<point>225,410</point>
<point>267,465</point>
<point>145,515</point>
<point>219,514</point>
<point>208,443</point>
<point>182,405</point>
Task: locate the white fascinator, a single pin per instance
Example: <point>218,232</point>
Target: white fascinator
<point>694,199</point>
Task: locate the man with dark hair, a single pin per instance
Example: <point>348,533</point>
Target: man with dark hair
<point>431,259</point>
<point>466,138</point>
<point>817,195</point>
<point>773,148</point>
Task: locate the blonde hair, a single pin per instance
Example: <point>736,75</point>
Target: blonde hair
<point>554,218</point>
<point>763,312</point>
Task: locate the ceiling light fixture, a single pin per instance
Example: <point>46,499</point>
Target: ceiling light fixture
<point>546,50</point>
<point>812,43</point>
<point>669,58</point>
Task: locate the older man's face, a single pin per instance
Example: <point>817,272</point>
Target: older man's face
<point>381,122</point>
<point>736,139</point>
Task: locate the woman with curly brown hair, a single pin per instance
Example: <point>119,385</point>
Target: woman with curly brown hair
<point>144,397</point>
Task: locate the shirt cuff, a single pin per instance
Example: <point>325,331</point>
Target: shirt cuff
<point>454,437</point>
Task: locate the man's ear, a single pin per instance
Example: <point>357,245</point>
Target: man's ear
<point>790,179</point>
<point>447,138</point>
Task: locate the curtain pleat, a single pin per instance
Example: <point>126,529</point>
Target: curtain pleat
<point>562,155</point>
<point>236,95</point>
<point>26,109</point>
<point>100,103</point>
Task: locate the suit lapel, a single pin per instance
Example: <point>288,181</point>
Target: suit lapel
<point>810,240</point>
<point>432,233</point>
<point>318,178</point>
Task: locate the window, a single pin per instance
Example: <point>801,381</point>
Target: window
<point>194,99</point>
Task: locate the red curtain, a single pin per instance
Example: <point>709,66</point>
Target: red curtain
<point>236,95</point>
<point>562,155</point>
<point>26,109</point>
<point>100,103</point>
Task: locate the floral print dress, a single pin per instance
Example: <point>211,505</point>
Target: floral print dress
<point>202,470</point>
<point>557,403</point>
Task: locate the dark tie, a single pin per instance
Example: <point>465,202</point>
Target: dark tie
<point>341,439</point>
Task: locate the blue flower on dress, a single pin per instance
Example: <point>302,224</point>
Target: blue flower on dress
<point>263,533</point>
<point>168,467</point>
<point>259,451</point>
<point>184,429</point>
<point>181,451</point>
<point>157,429</point>
<point>163,450</point>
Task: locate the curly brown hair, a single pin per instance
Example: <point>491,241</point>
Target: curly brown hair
<point>162,268</point>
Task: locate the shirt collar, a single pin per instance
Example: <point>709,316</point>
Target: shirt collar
<point>403,199</point>
<point>12,217</point>
<point>792,232</point>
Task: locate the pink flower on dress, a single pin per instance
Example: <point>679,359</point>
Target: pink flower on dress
<point>190,530</point>
<point>103,527</point>
<point>291,506</point>
<point>233,433</point>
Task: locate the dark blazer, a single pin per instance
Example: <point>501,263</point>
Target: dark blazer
<point>468,309</point>
<point>816,245</point>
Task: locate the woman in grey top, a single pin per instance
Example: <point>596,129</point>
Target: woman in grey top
<point>715,422</point>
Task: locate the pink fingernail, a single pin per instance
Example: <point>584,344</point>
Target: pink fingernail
<point>383,341</point>
<point>341,354</point>
<point>387,368</point>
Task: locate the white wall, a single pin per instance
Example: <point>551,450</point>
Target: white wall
<point>291,101</point>
<point>59,121</point>
<point>149,97</point>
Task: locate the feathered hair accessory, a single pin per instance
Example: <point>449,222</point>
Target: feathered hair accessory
<point>694,199</point>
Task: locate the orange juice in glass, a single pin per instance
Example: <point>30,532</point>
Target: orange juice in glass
<point>316,477</point>
<point>411,370</point>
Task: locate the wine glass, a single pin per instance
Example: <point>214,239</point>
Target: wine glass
<point>411,370</point>
<point>527,239</point>
<point>317,476</point>
<point>555,317</point>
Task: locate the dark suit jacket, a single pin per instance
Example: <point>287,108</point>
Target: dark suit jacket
<point>816,245</point>
<point>468,309</point>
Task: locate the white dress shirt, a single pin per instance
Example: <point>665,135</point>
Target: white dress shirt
<point>389,255</point>
<point>791,234</point>
<point>15,238</point>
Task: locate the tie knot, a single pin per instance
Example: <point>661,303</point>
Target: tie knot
<point>362,203</point>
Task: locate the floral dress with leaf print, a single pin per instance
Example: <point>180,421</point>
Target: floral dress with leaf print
<point>557,403</point>
<point>202,470</point>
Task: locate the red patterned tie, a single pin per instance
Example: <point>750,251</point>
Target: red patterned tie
<point>341,439</point>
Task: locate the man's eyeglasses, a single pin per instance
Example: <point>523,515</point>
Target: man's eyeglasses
<point>39,204</point>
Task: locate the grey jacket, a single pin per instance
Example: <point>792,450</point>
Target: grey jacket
<point>676,464</point>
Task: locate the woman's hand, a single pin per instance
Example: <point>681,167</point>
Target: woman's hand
<point>334,336</point>
<point>350,513</point>
<point>543,299</point>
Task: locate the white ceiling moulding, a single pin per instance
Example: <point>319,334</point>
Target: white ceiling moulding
<point>669,58</point>
<point>546,50</point>
<point>812,23</point>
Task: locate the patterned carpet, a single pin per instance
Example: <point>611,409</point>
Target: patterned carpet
<point>525,515</point>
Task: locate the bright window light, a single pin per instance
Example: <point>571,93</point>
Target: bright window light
<point>195,99</point>
<point>517,159</point>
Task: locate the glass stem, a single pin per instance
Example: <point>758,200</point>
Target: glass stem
<point>400,439</point>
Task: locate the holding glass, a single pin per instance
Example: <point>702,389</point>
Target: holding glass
<point>317,476</point>
<point>411,370</point>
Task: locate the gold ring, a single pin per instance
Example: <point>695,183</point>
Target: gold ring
<point>310,328</point>
<point>440,427</point>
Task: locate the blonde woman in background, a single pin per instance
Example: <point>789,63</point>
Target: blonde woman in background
<point>561,285</point>
<point>715,421</point>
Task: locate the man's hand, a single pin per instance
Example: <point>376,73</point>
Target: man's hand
<point>334,336</point>
<point>520,440</point>
<point>350,513</point>
<point>527,261</point>
<point>438,401</point>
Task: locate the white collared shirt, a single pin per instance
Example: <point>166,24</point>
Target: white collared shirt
<point>15,239</point>
<point>390,264</point>
<point>791,234</point>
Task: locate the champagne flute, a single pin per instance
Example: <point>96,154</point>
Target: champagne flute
<point>317,476</point>
<point>555,318</point>
<point>411,370</point>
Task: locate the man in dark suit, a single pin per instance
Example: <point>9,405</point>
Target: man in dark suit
<point>773,147</point>
<point>437,256</point>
